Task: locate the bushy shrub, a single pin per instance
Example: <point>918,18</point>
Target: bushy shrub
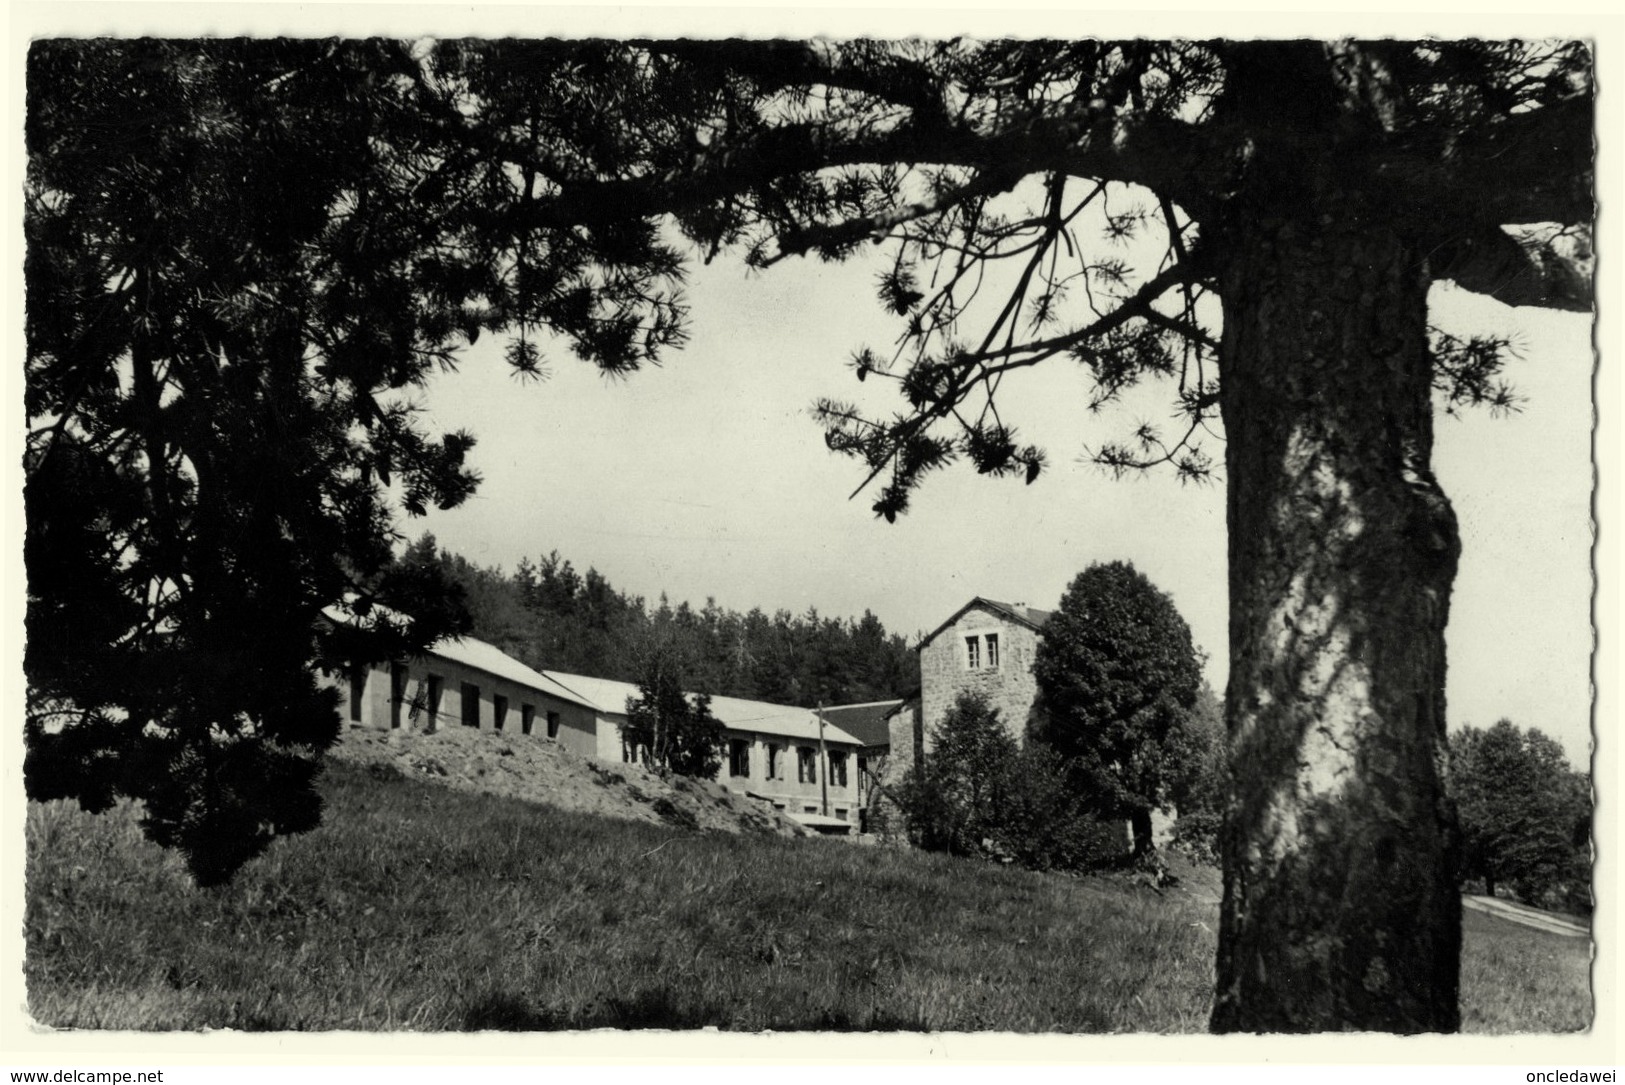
<point>952,802</point>
<point>981,794</point>
<point>1197,834</point>
<point>1040,821</point>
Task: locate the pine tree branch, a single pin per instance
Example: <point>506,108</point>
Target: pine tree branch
<point>1551,273</point>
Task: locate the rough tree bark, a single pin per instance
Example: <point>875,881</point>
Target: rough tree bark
<point>1340,909</point>
<point>1140,826</point>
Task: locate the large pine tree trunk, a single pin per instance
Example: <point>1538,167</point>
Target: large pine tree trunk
<point>1340,906</point>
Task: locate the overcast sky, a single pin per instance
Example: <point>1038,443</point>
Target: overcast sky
<point>708,477</point>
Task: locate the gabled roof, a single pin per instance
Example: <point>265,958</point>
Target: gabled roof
<point>475,653</point>
<point>866,721</point>
<point>735,713</point>
<point>472,652</point>
<point>608,695</point>
<point>1020,613</point>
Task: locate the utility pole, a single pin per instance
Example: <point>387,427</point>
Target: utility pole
<point>823,755</point>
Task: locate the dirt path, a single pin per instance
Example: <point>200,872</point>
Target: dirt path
<point>1529,917</point>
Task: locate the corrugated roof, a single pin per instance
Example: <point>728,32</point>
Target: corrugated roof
<point>735,713</point>
<point>866,721</point>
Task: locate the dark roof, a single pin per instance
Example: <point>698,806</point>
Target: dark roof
<point>1021,612</point>
<point>865,722</point>
<point>912,697</point>
<point>1031,617</point>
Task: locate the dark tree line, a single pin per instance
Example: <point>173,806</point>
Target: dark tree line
<point>553,617</point>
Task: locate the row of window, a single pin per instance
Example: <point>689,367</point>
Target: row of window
<point>806,762</point>
<point>976,658</point>
<point>427,702</point>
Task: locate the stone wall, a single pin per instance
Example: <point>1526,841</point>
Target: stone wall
<point>946,670</point>
<point>907,746</point>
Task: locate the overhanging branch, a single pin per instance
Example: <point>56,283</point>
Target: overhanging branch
<point>1549,272</point>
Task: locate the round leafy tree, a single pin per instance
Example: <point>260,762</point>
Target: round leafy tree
<point>1525,816</point>
<point>1117,676</point>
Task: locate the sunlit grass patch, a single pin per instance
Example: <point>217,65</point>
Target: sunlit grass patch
<point>1516,979</point>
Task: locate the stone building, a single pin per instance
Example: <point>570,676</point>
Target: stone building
<point>988,647</point>
<point>907,737</point>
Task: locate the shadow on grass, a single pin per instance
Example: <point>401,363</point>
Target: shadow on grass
<point>658,1008</point>
<point>650,1008</point>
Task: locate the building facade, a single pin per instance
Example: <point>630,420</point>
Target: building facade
<point>777,753</point>
<point>987,647</point>
<point>469,683</point>
<point>867,722</point>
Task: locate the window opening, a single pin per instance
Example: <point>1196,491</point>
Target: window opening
<point>837,768</point>
<point>358,689</point>
<point>397,692</point>
<point>738,757</point>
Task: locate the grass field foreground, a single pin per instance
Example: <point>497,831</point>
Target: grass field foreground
<point>417,907</point>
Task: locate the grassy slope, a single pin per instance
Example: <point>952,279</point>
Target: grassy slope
<point>1515,979</point>
<point>417,907</point>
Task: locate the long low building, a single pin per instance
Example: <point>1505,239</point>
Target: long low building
<point>486,688</point>
<point>774,752</point>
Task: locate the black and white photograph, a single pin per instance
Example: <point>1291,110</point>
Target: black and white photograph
<point>705,529</point>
